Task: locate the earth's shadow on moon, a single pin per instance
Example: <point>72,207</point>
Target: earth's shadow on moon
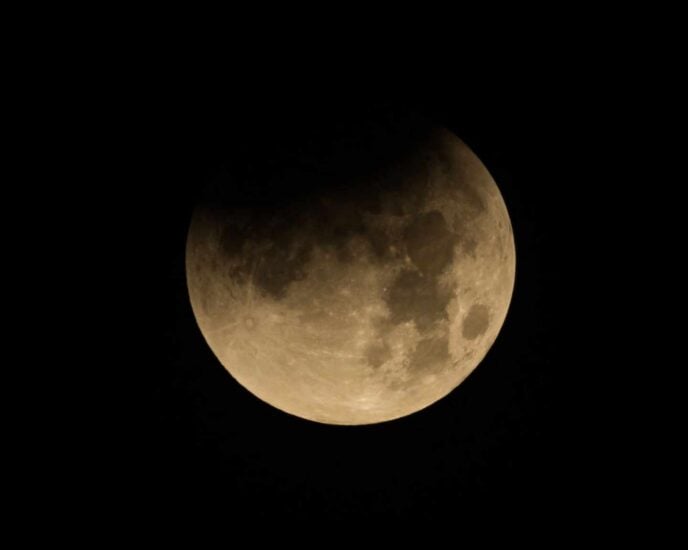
<point>352,209</point>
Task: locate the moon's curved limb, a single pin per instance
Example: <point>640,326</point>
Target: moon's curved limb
<point>356,307</point>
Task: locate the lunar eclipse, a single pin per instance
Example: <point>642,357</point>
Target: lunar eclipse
<point>366,296</point>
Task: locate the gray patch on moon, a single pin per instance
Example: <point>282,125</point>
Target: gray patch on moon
<point>272,249</point>
<point>429,243</point>
<point>378,353</point>
<point>471,199</point>
<point>468,246</point>
<point>265,249</point>
<point>278,267</point>
<point>476,321</point>
<point>414,297</point>
<point>430,355</point>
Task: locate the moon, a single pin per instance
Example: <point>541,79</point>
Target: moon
<point>370,292</point>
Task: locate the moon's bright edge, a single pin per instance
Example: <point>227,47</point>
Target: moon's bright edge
<point>364,303</point>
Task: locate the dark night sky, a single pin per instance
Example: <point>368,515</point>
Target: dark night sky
<point>194,436</point>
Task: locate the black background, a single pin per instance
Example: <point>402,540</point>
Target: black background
<point>189,438</point>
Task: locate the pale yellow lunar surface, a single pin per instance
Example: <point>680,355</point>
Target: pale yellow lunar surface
<point>363,303</point>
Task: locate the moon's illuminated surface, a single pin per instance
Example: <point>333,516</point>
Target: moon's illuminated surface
<point>363,302</point>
